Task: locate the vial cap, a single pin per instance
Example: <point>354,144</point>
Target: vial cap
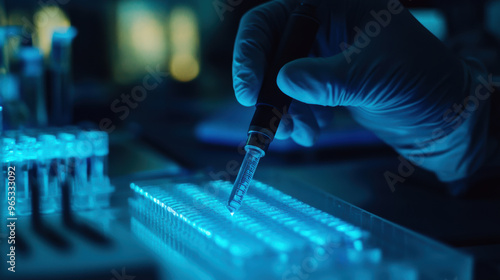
<point>27,147</point>
<point>31,59</point>
<point>49,146</point>
<point>99,140</point>
<point>67,148</point>
<point>8,149</point>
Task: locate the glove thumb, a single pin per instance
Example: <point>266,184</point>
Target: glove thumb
<point>319,81</point>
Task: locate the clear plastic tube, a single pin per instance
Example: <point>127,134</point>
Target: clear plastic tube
<point>32,85</point>
<point>51,160</point>
<point>83,189</point>
<point>67,162</point>
<point>3,51</point>
<point>244,178</point>
<point>49,152</point>
<point>98,162</point>
<point>27,156</point>
<point>61,87</point>
<point>9,42</point>
<point>99,184</point>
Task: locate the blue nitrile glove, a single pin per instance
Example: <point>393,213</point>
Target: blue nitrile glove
<point>396,78</point>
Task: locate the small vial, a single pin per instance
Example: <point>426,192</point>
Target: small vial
<point>61,83</point>
<point>82,189</point>
<point>32,85</point>
<point>101,187</point>
<point>1,114</point>
<point>9,45</point>
<point>98,161</point>
<point>67,162</point>
<point>13,110</point>
<point>26,171</point>
<point>47,170</point>
<point>3,52</point>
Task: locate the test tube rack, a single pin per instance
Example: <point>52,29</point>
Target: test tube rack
<point>51,157</point>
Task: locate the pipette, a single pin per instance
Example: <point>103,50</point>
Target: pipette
<point>272,104</point>
<point>244,178</point>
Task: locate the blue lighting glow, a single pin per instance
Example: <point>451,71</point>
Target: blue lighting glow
<point>433,20</point>
<point>271,227</point>
<point>55,155</point>
<point>275,236</point>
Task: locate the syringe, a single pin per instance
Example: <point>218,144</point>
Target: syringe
<point>272,104</point>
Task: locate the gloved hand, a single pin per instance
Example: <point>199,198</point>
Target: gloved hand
<point>395,77</point>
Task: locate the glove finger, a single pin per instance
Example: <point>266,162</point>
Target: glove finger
<point>319,81</point>
<point>323,114</point>
<point>285,128</point>
<point>305,126</point>
<point>257,35</point>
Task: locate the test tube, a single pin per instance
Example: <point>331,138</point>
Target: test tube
<point>61,93</point>
<point>82,191</point>
<point>3,51</point>
<point>100,185</point>
<point>9,42</point>
<point>1,114</point>
<point>3,72</point>
<point>48,154</point>
<point>13,35</point>
<point>32,85</point>
<point>13,113</point>
<point>25,171</point>
<point>98,161</point>
<point>67,162</point>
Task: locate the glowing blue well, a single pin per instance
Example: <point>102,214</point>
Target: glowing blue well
<point>269,234</point>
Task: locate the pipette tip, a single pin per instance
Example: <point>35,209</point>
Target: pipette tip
<point>231,208</point>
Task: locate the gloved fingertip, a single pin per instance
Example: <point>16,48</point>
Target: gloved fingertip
<point>245,97</point>
<point>305,135</point>
<point>315,80</point>
<point>245,90</point>
<point>289,76</point>
<point>299,80</point>
<point>305,140</point>
<point>284,130</point>
<point>323,114</point>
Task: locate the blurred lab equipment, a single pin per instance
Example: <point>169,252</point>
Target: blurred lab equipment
<point>14,113</point>
<point>61,88</point>
<point>58,247</point>
<point>31,84</point>
<point>52,156</point>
